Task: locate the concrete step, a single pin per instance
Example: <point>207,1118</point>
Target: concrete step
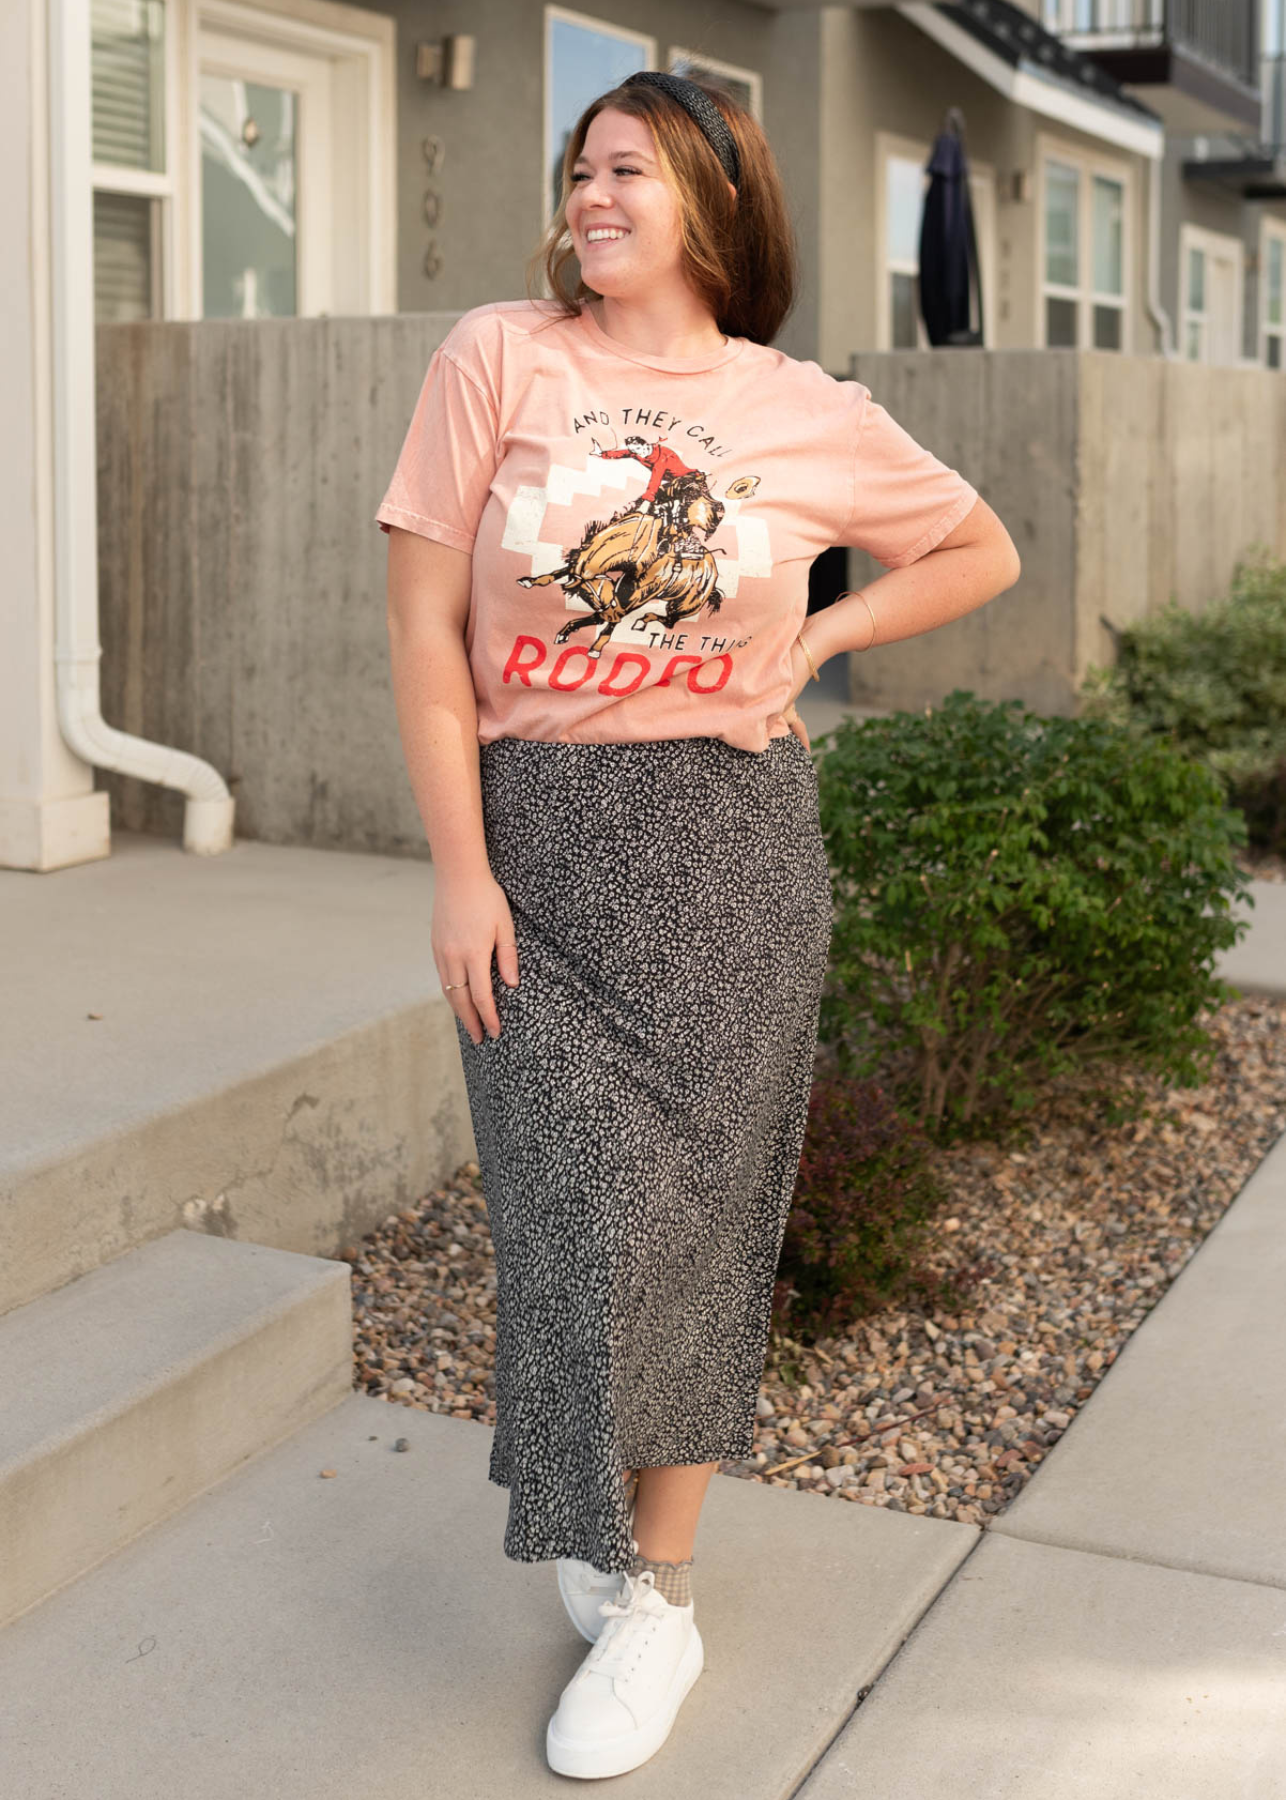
<point>132,1390</point>
<point>308,1638</point>
<point>253,1045</point>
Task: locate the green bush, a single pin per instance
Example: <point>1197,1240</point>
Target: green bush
<point>864,1198</point>
<point>1214,686</point>
<point>1018,899</point>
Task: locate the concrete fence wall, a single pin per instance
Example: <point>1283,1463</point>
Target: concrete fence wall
<point>1123,481</point>
<point>242,574</point>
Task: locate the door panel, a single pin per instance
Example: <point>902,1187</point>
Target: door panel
<point>266,124</point>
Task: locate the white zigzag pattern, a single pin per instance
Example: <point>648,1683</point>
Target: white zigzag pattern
<point>527,509</point>
<point>754,550</point>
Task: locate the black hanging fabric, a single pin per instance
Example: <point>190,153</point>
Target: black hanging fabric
<point>949,271</point>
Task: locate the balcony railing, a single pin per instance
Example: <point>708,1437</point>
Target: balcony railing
<point>1219,32</point>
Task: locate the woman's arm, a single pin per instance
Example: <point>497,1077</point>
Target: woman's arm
<point>437,711</point>
<point>971,565</point>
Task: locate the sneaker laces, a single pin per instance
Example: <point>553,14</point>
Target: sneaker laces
<point>619,1646</point>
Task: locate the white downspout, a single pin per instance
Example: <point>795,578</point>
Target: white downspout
<point>208,815</point>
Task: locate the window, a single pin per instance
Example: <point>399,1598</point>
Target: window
<point>250,263</point>
<point>905,185</point>
<point>131,154</point>
<point>745,85</point>
<point>1108,226</point>
<point>583,58</point>
<point>1196,326</point>
<point>1084,257</point>
<point>1272,263</point>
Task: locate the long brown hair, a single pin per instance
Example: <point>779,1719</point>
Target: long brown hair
<point>739,256</point>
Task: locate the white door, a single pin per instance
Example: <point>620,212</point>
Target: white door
<point>1225,324</point>
<point>266,136</point>
<point>1211,263</point>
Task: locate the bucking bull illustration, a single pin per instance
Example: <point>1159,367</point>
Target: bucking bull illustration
<point>651,553</point>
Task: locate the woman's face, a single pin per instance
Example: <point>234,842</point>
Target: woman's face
<point>617,182</point>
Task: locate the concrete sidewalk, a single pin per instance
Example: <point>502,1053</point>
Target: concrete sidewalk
<point>302,1638</point>
<point>1121,1630</point>
<point>1258,963</point>
<point>1120,1633</point>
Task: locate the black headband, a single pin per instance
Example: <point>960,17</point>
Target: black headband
<point>702,109</point>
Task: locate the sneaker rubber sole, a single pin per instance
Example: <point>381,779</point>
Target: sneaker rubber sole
<point>589,1757</point>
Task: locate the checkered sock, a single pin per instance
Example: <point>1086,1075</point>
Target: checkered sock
<point>673,1580</point>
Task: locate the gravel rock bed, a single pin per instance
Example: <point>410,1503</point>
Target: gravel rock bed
<point>1074,1238</point>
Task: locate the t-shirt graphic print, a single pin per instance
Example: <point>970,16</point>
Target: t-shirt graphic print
<point>642,527</point>
<point>648,581</point>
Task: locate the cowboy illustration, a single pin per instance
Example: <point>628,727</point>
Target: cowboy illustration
<point>658,459</point>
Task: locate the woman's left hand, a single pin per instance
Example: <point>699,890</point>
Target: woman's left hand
<point>797,725</point>
<point>800,674</point>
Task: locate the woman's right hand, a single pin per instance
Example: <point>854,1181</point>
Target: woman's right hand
<point>471,921</point>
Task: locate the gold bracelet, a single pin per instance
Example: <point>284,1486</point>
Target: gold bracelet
<point>871,616</point>
<point>808,656</point>
<point>858,594</point>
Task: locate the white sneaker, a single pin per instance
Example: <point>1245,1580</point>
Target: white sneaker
<point>584,1589</point>
<point>618,1707</point>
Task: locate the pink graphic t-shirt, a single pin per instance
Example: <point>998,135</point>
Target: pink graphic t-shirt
<point>641,527</point>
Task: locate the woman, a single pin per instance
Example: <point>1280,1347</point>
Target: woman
<point>601,525</point>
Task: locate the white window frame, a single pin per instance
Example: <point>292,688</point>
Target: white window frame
<point>733,71</point>
<point>605,29</point>
<point>1088,164</point>
<point>982,188</point>
<point>1217,243</point>
<point>163,186</point>
<point>1271,230</point>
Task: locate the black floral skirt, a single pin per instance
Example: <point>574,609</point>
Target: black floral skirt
<point>639,1120</point>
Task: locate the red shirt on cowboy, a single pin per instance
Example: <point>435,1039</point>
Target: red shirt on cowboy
<point>658,458</point>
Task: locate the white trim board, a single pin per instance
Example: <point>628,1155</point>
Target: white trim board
<point>1034,88</point>
<point>1270,228</point>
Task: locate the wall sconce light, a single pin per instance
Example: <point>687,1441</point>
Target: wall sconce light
<point>1016,185</point>
<point>449,62</point>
